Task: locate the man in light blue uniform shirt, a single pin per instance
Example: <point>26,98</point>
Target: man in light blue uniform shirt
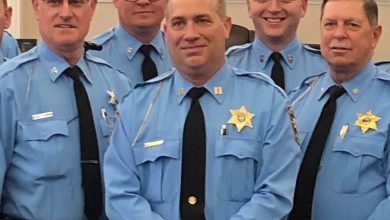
<point>251,158</point>
<point>385,65</point>
<point>353,181</point>
<point>276,24</point>
<point>139,24</point>
<point>39,122</point>
<point>9,47</point>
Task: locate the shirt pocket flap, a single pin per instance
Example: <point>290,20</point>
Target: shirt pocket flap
<point>166,148</point>
<point>240,148</point>
<point>359,146</point>
<point>43,130</point>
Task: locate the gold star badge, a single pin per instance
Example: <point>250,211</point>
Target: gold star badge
<point>113,99</point>
<point>241,118</point>
<point>367,121</point>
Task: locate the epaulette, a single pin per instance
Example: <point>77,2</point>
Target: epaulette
<point>237,48</point>
<point>92,46</point>
<point>7,33</point>
<point>305,87</point>
<point>104,37</point>
<point>97,59</point>
<point>15,62</point>
<point>311,49</point>
<point>259,76</point>
<point>382,63</point>
<point>157,79</point>
<point>383,75</point>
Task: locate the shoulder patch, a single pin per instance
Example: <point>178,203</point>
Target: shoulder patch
<point>104,37</point>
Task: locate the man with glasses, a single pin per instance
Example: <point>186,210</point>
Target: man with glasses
<point>57,109</point>
<point>136,46</point>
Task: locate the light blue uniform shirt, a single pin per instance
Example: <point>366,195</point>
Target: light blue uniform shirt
<point>385,65</point>
<point>9,46</point>
<point>353,180</point>
<point>39,131</point>
<point>299,61</point>
<point>121,50</point>
<point>249,174</point>
<point>2,58</point>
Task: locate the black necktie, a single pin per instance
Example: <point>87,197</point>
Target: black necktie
<point>308,172</point>
<point>277,73</point>
<point>149,69</point>
<point>192,195</point>
<point>89,151</point>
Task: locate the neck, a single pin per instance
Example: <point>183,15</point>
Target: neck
<point>70,54</point>
<point>276,44</point>
<point>143,34</point>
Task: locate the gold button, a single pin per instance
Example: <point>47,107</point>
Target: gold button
<point>192,200</point>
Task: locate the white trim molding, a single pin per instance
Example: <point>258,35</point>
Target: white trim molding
<point>16,20</point>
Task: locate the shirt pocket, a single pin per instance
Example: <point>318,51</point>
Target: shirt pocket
<point>355,159</point>
<point>159,170</point>
<point>46,143</point>
<point>237,165</point>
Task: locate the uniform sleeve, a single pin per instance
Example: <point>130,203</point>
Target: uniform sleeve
<point>122,185</point>
<point>7,129</point>
<point>382,211</point>
<point>274,187</point>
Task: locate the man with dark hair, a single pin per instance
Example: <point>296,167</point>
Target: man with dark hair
<point>344,120</point>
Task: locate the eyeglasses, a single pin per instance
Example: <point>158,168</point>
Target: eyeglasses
<point>73,3</point>
<point>138,0</point>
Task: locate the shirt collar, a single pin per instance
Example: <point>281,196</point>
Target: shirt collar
<point>216,86</point>
<point>56,65</point>
<point>290,53</point>
<point>354,87</point>
<point>132,44</point>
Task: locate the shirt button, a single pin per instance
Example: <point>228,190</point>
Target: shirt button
<point>192,200</point>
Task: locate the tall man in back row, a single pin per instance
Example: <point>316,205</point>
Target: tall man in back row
<point>276,50</point>
<point>344,119</point>
<point>136,46</point>
<point>57,109</point>
<point>197,142</point>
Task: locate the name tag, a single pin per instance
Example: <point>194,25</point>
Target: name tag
<point>42,115</point>
<point>153,143</point>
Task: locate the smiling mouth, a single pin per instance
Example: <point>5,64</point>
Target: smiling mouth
<point>274,20</point>
<point>64,26</point>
